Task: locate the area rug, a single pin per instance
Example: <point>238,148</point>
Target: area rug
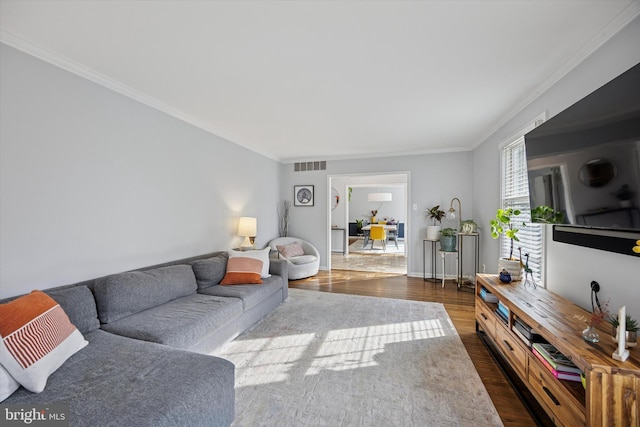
<point>323,359</point>
<point>357,248</point>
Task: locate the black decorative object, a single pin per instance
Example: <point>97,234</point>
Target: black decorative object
<point>505,276</point>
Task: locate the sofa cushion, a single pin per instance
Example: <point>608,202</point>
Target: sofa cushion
<point>80,305</point>
<point>180,323</point>
<point>261,254</point>
<point>210,271</point>
<point>7,384</point>
<point>251,295</point>
<point>242,270</point>
<point>37,338</point>
<point>290,249</point>
<point>304,259</point>
<point>119,381</point>
<point>121,295</point>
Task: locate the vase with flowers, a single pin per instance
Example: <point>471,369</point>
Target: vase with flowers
<point>374,220</point>
<point>598,315</point>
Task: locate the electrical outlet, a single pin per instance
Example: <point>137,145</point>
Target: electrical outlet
<point>484,268</point>
<point>415,206</point>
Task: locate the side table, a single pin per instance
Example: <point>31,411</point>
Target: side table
<point>433,260</point>
<point>443,255</point>
<point>461,238</point>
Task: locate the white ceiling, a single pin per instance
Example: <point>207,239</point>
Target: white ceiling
<point>312,80</point>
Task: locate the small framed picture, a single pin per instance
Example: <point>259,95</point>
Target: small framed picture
<point>303,195</point>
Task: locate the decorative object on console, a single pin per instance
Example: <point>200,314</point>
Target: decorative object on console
<point>621,352</point>
<point>303,195</point>
<point>599,312</point>
<point>435,214</point>
<point>505,277</point>
<point>448,240</point>
<point>503,224</point>
<point>528,272</point>
<point>247,228</point>
<point>631,326</point>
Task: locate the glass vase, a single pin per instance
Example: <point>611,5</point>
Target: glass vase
<point>591,335</point>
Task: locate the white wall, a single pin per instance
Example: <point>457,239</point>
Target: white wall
<point>570,269</point>
<point>92,182</point>
<point>434,179</point>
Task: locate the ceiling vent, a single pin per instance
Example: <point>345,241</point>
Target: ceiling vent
<point>310,166</point>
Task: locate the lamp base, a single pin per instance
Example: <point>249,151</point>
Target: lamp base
<point>248,243</point>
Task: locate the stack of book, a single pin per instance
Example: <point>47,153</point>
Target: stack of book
<point>525,332</point>
<point>503,312</point>
<point>557,363</point>
<point>488,296</point>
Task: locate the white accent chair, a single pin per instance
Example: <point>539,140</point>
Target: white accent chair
<point>300,266</point>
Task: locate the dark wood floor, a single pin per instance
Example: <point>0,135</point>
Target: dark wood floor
<point>459,305</point>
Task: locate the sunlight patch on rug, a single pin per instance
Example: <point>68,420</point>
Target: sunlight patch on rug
<point>342,360</point>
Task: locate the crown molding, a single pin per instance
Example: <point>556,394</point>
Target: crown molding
<point>60,61</point>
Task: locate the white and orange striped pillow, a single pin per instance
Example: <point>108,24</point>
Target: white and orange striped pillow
<point>242,271</point>
<point>36,339</point>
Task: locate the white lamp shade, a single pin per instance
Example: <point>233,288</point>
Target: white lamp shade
<point>379,197</point>
<point>248,226</point>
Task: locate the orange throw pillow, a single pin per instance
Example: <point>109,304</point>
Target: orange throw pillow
<point>36,339</point>
<point>242,271</point>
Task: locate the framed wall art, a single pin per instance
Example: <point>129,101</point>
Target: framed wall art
<point>303,195</point>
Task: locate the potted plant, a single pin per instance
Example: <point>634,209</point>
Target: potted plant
<point>546,215</point>
<point>359,225</point>
<point>624,195</point>
<point>503,223</point>
<point>436,215</point>
<point>468,226</point>
<point>631,326</point>
<point>448,239</point>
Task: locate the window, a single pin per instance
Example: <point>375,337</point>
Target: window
<point>515,194</point>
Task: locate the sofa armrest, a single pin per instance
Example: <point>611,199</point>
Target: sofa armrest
<point>280,267</point>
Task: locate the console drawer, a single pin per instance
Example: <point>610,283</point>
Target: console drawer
<point>549,390</point>
<point>486,318</point>
<point>511,348</point>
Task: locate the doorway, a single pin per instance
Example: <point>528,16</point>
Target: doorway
<point>355,199</point>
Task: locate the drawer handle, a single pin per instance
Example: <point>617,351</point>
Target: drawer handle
<point>483,316</point>
<point>551,396</point>
<point>507,344</point>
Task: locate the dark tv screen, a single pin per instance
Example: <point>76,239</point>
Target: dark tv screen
<point>585,163</point>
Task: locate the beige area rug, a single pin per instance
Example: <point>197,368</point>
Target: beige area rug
<point>324,359</point>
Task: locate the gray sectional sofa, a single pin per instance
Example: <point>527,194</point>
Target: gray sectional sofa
<point>149,331</point>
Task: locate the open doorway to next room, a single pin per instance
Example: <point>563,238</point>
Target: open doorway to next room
<point>357,201</point>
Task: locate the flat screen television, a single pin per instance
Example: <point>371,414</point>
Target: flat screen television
<point>585,163</point>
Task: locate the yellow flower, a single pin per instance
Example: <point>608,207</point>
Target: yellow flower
<point>636,248</point>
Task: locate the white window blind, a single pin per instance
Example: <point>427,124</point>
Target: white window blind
<point>515,194</point>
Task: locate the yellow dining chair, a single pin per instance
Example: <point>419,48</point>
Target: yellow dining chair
<point>377,233</point>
